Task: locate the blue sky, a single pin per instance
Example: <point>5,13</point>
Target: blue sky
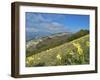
<point>55,23</point>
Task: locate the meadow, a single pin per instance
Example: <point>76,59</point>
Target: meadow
<point>75,52</point>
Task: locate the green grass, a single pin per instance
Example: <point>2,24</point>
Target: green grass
<point>71,53</point>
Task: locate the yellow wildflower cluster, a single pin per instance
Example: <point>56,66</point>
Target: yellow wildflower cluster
<point>29,59</point>
<point>79,49</point>
<point>48,50</point>
<point>71,52</point>
<point>59,57</point>
<point>38,58</point>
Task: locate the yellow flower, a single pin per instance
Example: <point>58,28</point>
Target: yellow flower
<point>79,49</point>
<point>47,50</point>
<point>71,53</point>
<point>50,49</point>
<point>30,59</point>
<point>59,57</point>
<point>27,61</point>
<point>38,58</point>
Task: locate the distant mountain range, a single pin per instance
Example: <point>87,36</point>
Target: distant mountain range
<point>37,35</point>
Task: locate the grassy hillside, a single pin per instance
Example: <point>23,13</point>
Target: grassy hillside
<point>44,43</point>
<point>71,53</point>
<point>38,45</point>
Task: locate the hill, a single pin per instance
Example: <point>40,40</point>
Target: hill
<point>70,53</point>
<point>44,43</point>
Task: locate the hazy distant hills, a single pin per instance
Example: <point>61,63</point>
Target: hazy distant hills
<point>36,35</point>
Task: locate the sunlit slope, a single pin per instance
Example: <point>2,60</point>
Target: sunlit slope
<point>71,53</point>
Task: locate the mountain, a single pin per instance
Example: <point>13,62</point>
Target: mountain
<point>44,43</point>
<point>36,35</point>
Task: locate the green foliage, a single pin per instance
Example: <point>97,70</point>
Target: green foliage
<point>72,53</point>
<point>78,34</point>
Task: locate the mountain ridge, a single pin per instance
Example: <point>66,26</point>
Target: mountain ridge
<point>37,45</point>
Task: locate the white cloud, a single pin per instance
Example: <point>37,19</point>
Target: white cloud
<point>37,22</point>
<point>54,27</point>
